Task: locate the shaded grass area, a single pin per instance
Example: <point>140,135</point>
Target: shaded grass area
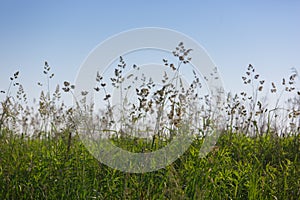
<point>239,167</point>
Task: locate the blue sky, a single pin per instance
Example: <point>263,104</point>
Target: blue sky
<point>234,33</point>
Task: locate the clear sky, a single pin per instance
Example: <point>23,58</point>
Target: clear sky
<point>234,33</point>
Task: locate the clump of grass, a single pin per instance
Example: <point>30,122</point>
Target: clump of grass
<point>250,113</point>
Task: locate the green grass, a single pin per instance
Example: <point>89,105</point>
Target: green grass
<point>256,157</point>
<point>240,167</point>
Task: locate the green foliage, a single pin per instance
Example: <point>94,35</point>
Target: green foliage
<point>239,167</point>
<point>256,157</point>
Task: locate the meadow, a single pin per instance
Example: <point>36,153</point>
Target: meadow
<point>256,156</point>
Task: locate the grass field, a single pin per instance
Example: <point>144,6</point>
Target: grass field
<point>256,156</point>
<point>239,167</point>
